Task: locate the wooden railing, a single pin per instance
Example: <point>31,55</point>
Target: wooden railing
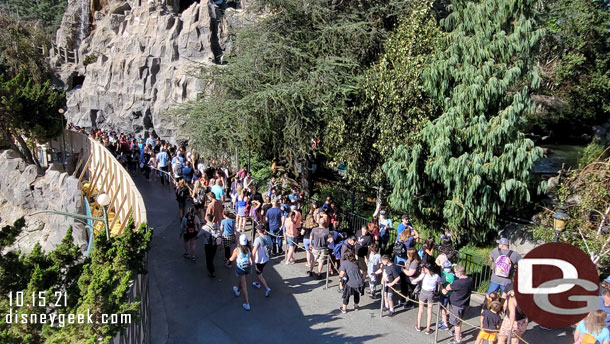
<point>94,163</point>
<point>68,56</point>
<point>90,160</point>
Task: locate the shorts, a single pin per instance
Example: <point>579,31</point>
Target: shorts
<point>319,255</point>
<point>181,205</point>
<point>189,236</point>
<point>388,293</point>
<point>292,241</point>
<point>228,240</point>
<point>426,296</point>
<point>519,327</point>
<point>306,244</point>
<point>455,313</point>
<point>490,336</point>
<point>260,267</point>
<point>242,272</point>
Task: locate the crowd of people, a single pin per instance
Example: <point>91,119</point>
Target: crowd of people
<point>218,207</point>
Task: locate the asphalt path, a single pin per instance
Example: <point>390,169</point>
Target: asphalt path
<point>187,306</point>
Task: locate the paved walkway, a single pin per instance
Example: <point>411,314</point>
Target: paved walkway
<point>189,307</point>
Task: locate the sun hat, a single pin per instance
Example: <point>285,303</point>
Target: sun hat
<point>243,239</point>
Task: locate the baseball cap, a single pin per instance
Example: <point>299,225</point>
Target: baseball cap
<point>447,265</point>
<point>382,213</point>
<point>243,239</point>
<point>607,280</point>
<point>503,241</point>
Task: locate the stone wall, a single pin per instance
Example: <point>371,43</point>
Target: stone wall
<point>23,192</point>
<point>143,58</point>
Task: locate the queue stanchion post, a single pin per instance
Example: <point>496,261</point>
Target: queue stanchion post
<point>382,299</point>
<point>510,335</point>
<point>327,269</point>
<point>438,314</point>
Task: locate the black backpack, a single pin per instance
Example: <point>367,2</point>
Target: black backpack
<point>399,249</point>
<point>190,224</point>
<point>182,193</point>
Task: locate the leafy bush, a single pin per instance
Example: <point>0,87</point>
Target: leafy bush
<point>590,153</point>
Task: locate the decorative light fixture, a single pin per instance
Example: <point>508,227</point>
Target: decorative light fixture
<point>103,200</point>
<point>560,219</point>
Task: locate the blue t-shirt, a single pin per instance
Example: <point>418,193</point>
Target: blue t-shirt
<point>187,173</point>
<point>228,226</point>
<point>601,337</point>
<point>275,218</point>
<point>218,191</point>
<point>162,159</point>
<point>400,228</point>
<point>605,309</point>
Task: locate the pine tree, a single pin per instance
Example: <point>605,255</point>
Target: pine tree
<point>473,162</point>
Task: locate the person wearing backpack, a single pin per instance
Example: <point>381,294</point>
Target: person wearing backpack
<point>261,251</point>
<point>189,228</point>
<point>242,256</point>
<point>592,329</point>
<point>399,251</point>
<point>211,239</point>
<point>504,262</point>
<point>182,193</point>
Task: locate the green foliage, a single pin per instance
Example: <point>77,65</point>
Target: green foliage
<point>592,152</point>
<point>89,59</point>
<point>472,163</point>
<point>96,285</point>
<point>584,195</point>
<point>291,72</point>
<point>48,12</point>
<point>575,62</point>
<point>391,103</point>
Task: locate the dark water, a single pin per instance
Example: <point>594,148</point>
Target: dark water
<point>558,155</point>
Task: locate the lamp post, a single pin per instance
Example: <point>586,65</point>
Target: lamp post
<point>63,136</point>
<point>559,222</point>
<point>104,200</point>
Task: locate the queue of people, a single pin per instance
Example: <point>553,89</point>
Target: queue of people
<point>223,204</point>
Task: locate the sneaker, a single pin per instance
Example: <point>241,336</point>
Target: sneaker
<point>430,331</point>
<point>340,290</point>
<point>309,273</point>
<point>342,310</point>
<point>443,327</point>
<point>267,292</point>
<point>212,275</point>
<point>454,341</point>
<point>193,258</point>
<point>236,291</point>
<point>228,265</point>
<point>290,262</point>
<point>186,255</point>
<point>356,307</point>
<point>246,306</point>
<point>256,285</point>
<point>417,328</point>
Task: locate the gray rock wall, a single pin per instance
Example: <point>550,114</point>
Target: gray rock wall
<point>22,192</point>
<point>148,56</point>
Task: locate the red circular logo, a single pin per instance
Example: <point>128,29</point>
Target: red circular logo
<point>556,285</point>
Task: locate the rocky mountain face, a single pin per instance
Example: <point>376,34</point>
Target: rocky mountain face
<point>22,192</point>
<point>139,60</point>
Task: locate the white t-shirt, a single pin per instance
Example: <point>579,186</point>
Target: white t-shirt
<point>429,282</point>
<point>374,261</point>
<point>261,253</point>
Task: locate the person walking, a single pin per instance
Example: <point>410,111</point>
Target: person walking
<point>274,220</point>
<point>504,260</point>
<point>182,193</point>
<point>318,243</point>
<point>430,282</point>
<point>227,228</point>
<point>211,239</point>
<point>459,300</point>
<point>189,228</point>
<point>242,255</point>
<point>309,223</point>
<point>355,282</point>
<point>215,208</point>
<point>163,165</point>
<point>262,245</point>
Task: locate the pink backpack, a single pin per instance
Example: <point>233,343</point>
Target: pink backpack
<point>503,265</point>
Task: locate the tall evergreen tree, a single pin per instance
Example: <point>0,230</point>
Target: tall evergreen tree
<point>473,162</point>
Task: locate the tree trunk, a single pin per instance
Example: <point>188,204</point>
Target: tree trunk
<point>306,182</point>
<point>26,151</point>
<point>7,135</point>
